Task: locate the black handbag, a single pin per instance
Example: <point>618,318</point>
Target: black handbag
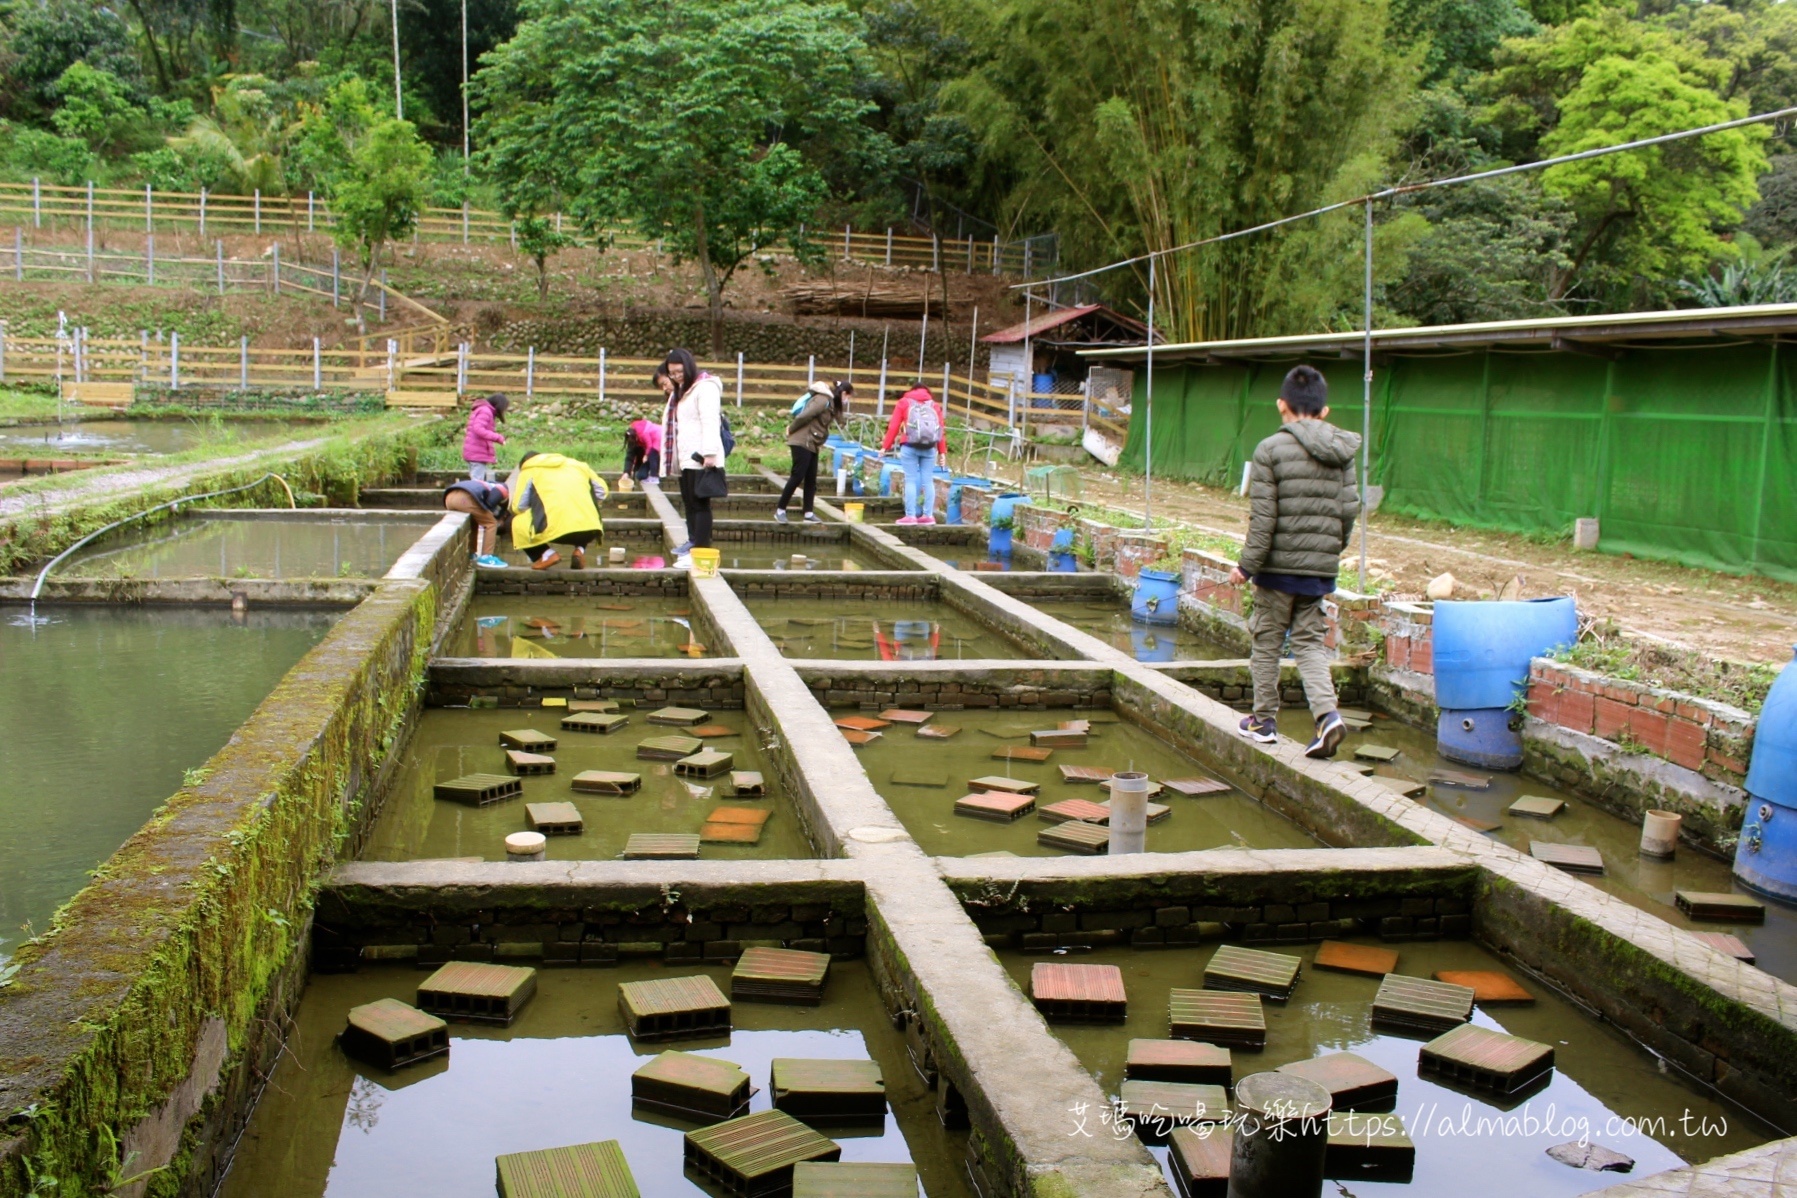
<point>711,483</point>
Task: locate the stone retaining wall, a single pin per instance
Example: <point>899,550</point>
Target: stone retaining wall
<point>859,584</point>
<point>457,681</point>
<point>1232,682</point>
<point>950,686</point>
<point>1709,738</point>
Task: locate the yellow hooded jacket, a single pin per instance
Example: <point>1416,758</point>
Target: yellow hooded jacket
<point>554,496</point>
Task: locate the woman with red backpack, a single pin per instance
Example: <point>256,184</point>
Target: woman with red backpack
<point>918,426</point>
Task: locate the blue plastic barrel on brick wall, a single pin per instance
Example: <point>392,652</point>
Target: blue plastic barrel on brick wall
<point>1482,649</point>
<point>1766,856</point>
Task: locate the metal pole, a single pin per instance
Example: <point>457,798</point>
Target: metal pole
<point>399,103</point>
<point>143,355</point>
<point>845,242</point>
<point>2,351</point>
<point>811,370</point>
<point>851,355</point>
<point>149,210</point>
<point>150,258</point>
<point>739,377</point>
<point>888,245</point>
<point>464,171</point>
<point>382,295</point>
<point>174,361</point>
<point>243,363</point>
<point>336,278</point>
<point>1366,394</point>
<point>258,210</point>
<point>1148,396</point>
<point>317,367</point>
<point>464,114</point>
<point>90,230</point>
<point>37,204</point>
<point>935,253</point>
<point>995,253</point>
<point>1029,298</point>
<point>275,267</point>
<point>311,207</point>
<point>880,402</point>
<point>461,368</point>
<point>392,362</point>
<point>602,372</point>
<point>202,212</point>
<point>530,373</point>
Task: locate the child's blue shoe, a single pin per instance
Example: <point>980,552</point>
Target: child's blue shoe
<point>1261,732</point>
<point>491,561</point>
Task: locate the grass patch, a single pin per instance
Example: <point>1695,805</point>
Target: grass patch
<point>1604,650</point>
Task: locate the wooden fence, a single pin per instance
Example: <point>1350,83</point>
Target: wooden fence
<point>42,205</point>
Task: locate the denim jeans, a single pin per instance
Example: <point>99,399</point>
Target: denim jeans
<point>920,479</point>
<point>481,471</point>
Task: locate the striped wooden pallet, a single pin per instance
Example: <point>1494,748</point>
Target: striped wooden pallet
<point>477,991</point>
<point>853,1179</point>
<point>1354,1083</point>
<point>1178,1061</point>
<point>661,846</point>
<point>999,808</point>
<point>528,739</point>
<point>686,1084</point>
<point>668,748</point>
<point>1078,993</point>
<point>1199,1159</point>
<point>391,1034</point>
<point>554,819</point>
<point>1217,1017</point>
<point>1076,836</point>
<point>1274,975</point>
<point>677,717</point>
<point>1156,1108</point>
<point>823,1092</point>
<point>594,721</point>
<point>596,1170</point>
<point>754,1155</point>
<point>478,790</point>
<point>780,975</point>
<point>1481,1059</point>
<point>1420,1005</point>
<point>606,782</point>
<point>666,1008</point>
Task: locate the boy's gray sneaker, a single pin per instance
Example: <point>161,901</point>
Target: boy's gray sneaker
<point>780,514</point>
<point>1330,731</point>
<point>1261,732</point>
<point>813,518</point>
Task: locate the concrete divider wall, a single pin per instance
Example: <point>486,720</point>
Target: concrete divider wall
<point>134,1029</point>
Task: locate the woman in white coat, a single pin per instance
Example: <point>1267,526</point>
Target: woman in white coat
<point>692,441</point>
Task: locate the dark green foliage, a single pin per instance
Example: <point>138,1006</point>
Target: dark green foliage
<point>1512,232</point>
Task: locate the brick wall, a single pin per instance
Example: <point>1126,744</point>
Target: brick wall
<point>1409,637</point>
<point>510,686</point>
<point>951,690</point>
<point>1102,538</point>
<point>1037,526</point>
<point>770,584</point>
<point>1709,738</point>
<point>1136,551</point>
<point>976,506</point>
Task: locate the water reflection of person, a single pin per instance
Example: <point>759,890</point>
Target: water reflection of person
<point>912,640</point>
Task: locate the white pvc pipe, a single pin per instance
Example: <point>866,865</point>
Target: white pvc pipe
<point>1129,812</point>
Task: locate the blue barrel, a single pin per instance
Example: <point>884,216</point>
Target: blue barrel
<point>1149,644</point>
<point>1488,737</point>
<point>1004,505</point>
<point>844,452</point>
<point>1766,857</point>
<point>886,469</point>
<point>1062,562</point>
<point>1156,599</point>
<point>998,542</point>
<point>955,485</point>
<point>1482,650</point>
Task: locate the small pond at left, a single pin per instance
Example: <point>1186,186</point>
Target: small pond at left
<point>559,1075</point>
<point>130,436</point>
<point>104,709</point>
<point>278,545</point>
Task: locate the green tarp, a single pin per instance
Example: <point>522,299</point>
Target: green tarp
<point>1686,454</point>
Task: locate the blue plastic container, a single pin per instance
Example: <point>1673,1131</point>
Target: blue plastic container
<point>1005,504</point>
<point>1150,644</point>
<point>1156,599</point>
<point>1766,857</point>
<point>998,542</point>
<point>1482,650</point>
<point>1481,736</point>
<point>843,453</point>
<point>886,469</point>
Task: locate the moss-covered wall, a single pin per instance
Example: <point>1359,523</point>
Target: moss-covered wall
<point>124,1029</point>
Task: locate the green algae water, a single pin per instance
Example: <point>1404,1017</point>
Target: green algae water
<point>129,436</point>
<point>559,1075</point>
<point>103,709</point>
<point>1601,1080</point>
<point>284,546</point>
<point>920,778</point>
<point>542,626</point>
<point>1110,622</point>
<point>879,630</point>
<point>1644,882</point>
<point>452,742</point>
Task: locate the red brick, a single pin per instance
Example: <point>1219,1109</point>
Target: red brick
<point>1619,694</point>
<point>1397,652</point>
<point>1578,711</point>
<point>1667,705</point>
<point>1422,656</point>
<point>1651,729</point>
<point>1697,715</point>
<point>1684,744</point>
<point>1612,717</point>
<point>1544,702</point>
<point>1726,763</point>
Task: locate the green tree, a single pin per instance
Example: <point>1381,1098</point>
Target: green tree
<point>248,131</point>
<point>698,122</point>
<point>1645,218</point>
<point>1490,253</point>
<point>49,38</point>
<point>96,107</point>
<point>1131,127</point>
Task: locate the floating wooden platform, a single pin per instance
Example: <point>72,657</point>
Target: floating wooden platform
<point>391,1034</point>
<point>1078,993</point>
<point>1021,753</point>
<point>1490,987</point>
<point>1481,1059</point>
<point>748,784</point>
<point>1406,787</point>
<point>594,721</point>
<point>1200,1160</point>
<point>528,764</point>
<point>1217,1017</point>
<point>1156,1108</point>
<point>1059,738</point>
<point>1474,822</point>
<point>1460,779</point>
<point>478,790</point>
<point>1376,753</point>
<point>862,723</point>
<point>599,705</point>
<point>596,1170</point>
<point>1573,858</point>
<point>914,776</point>
<point>554,819</point>
<point>1274,975</point>
<point>1420,1005</point>
<point>853,1179</point>
<point>1724,942</point>
<point>661,846</point>
<point>1076,836</point>
<point>666,1008</point>
<point>1363,959</point>
<point>476,991</point>
<point>1067,809</point>
<point>1371,1147</point>
<point>668,748</point>
<point>1720,906</point>
<point>828,1091</point>
<point>780,975</point>
<point>734,825</point>
<point>714,731</point>
<point>689,1085</point>
<point>1012,786</point>
<point>1000,808</point>
<point>707,763</point>
<point>606,782</point>
<point>1085,773</point>
<point>1536,807</point>
<point>677,717</point>
<point>1178,1061</point>
<point>901,715</point>
<point>937,731</point>
<point>1354,1083</point>
<point>754,1155</point>
<point>528,739</point>
<point>1155,814</point>
<point>1194,787</point>
<point>857,737</point>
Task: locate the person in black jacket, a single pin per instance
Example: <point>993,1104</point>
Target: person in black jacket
<point>486,503</point>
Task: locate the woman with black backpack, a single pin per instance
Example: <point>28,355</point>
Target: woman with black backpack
<point>918,426</point>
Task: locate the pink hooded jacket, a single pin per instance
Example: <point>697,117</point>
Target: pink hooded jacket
<point>482,435</point>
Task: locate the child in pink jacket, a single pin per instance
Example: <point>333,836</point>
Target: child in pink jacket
<point>482,435</point>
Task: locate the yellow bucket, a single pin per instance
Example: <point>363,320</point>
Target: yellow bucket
<point>705,563</point>
<point>853,511</point>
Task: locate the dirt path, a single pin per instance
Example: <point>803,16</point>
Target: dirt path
<point>99,485</point>
<point>1741,618</point>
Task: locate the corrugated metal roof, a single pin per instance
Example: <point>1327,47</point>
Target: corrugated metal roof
<point>1038,325</point>
<point>1559,332</point>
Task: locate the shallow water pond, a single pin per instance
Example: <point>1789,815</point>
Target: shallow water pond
<point>560,1074</point>
<point>132,436</point>
<point>1110,622</point>
<point>283,546</point>
<point>1645,882</point>
<point>879,630</point>
<point>921,778</point>
<point>104,708</point>
<point>544,626</point>
<point>452,742</point>
<point>1601,1079</point>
